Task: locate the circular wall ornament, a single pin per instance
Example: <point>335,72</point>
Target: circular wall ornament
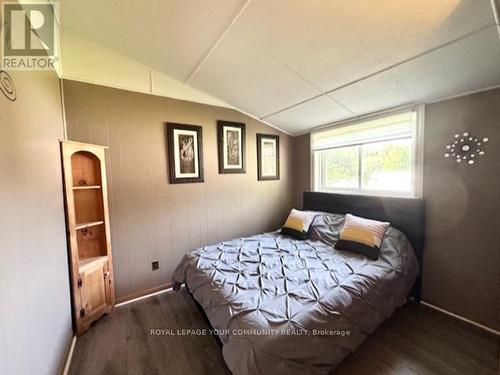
<point>465,148</point>
<point>7,86</point>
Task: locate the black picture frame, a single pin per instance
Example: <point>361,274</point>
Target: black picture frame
<point>262,174</point>
<point>192,146</point>
<point>221,133</point>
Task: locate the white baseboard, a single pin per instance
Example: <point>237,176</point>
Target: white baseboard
<point>142,297</point>
<point>71,349</point>
<point>67,363</point>
<point>456,316</point>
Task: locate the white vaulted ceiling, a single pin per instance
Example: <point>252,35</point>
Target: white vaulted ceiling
<point>298,64</point>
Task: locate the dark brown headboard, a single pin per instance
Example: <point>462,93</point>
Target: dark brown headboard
<point>405,214</point>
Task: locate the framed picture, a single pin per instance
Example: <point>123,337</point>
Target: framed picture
<point>268,157</point>
<point>231,146</point>
<point>185,153</point>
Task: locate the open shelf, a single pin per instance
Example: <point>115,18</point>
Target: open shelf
<point>88,205</point>
<point>88,225</point>
<point>87,263</point>
<point>86,169</point>
<point>91,240</point>
<point>86,187</point>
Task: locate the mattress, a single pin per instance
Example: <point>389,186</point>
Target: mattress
<point>287,306</point>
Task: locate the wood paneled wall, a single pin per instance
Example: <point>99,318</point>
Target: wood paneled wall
<point>152,219</point>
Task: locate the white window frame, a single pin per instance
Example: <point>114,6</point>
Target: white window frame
<point>417,159</point>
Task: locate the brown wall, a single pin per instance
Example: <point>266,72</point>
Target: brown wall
<point>152,219</point>
<point>461,271</point>
<point>462,255</point>
<point>35,312</point>
<point>302,167</point>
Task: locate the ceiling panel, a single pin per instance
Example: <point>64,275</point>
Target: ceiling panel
<point>346,71</point>
<point>470,64</point>
<point>372,94</point>
<point>431,25</point>
<point>319,111</point>
<point>171,36</point>
<point>332,43</point>
<point>248,78</point>
<point>219,10</point>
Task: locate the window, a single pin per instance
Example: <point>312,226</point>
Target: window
<point>379,156</point>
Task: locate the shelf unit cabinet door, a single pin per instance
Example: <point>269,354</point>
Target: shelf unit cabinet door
<point>94,292</point>
<point>108,286</point>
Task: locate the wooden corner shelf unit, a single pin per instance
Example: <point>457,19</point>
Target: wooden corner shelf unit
<point>87,223</point>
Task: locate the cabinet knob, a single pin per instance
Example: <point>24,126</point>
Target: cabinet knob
<point>107,273</point>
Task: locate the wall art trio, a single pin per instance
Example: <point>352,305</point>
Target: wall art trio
<point>185,152</point>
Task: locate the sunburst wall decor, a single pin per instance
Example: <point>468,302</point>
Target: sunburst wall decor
<point>465,148</point>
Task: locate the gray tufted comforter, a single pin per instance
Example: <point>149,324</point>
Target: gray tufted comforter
<point>285,306</point>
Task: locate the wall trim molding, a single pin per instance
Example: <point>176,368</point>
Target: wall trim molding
<point>460,317</point>
<point>68,77</point>
<point>393,109</point>
<point>63,108</point>
<point>69,355</point>
<point>472,92</point>
<point>495,6</point>
<point>142,294</point>
<point>125,88</point>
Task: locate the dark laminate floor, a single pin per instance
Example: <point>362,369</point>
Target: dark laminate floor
<point>416,340</point>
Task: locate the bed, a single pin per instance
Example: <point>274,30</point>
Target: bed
<point>285,306</point>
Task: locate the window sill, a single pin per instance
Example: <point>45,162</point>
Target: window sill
<point>373,193</point>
